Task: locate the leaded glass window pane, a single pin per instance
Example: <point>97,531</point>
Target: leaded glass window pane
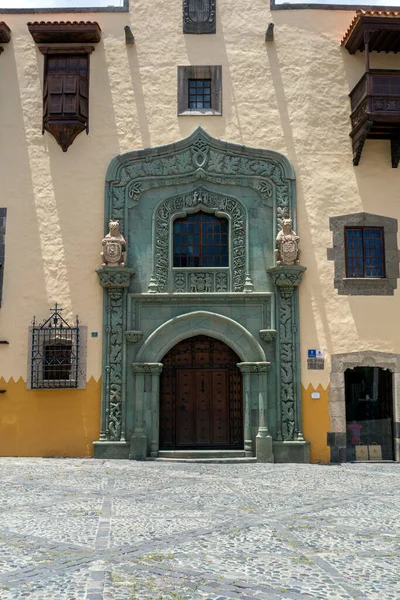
<point>201,240</point>
<point>364,252</point>
<point>199,93</point>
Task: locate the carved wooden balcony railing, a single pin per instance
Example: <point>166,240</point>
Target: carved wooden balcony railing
<point>375,111</point>
<point>375,100</point>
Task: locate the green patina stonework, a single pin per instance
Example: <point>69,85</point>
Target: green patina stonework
<point>250,305</point>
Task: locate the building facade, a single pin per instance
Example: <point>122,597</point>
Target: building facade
<point>188,141</point>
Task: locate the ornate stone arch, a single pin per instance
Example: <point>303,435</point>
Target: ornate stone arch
<point>221,205</point>
<point>200,322</point>
<point>199,158</point>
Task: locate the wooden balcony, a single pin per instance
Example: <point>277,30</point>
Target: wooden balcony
<point>375,111</point>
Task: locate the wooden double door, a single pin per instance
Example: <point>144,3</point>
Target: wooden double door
<point>201,396</point>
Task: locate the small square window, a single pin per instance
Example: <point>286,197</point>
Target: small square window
<point>200,90</point>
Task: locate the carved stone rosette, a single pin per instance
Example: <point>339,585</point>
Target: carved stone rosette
<point>287,278</point>
<point>114,281</point>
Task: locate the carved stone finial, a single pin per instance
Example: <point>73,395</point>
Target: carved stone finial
<point>287,245</point>
<point>114,247</point>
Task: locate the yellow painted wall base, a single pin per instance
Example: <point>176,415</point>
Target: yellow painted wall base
<point>316,422</point>
<point>49,422</point>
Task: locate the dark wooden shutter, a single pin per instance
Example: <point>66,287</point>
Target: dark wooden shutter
<point>66,96</point>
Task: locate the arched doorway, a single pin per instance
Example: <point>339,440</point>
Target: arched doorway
<point>201,396</point>
<point>369,413</point>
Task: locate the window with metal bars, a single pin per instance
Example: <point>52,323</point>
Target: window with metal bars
<point>364,252</point>
<point>54,353</point>
<point>201,240</point>
<point>199,93</point>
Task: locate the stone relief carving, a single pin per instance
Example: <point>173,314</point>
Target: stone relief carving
<point>287,245</point>
<point>268,335</point>
<point>115,282</point>
<point>114,332</point>
<point>286,367</point>
<point>199,12</point>
<point>200,198</point>
<point>110,277</point>
<point>221,282</point>
<point>202,282</point>
<point>256,367</point>
<point>133,337</point>
<point>199,157</point>
<point>287,278</point>
<point>114,247</point>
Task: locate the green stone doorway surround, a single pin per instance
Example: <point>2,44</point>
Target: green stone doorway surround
<point>251,305</point>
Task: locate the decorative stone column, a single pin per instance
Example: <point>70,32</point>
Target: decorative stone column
<point>289,421</point>
<point>114,281</point>
<point>147,386</point>
<point>255,387</point>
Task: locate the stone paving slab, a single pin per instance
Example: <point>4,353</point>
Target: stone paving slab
<point>79,529</point>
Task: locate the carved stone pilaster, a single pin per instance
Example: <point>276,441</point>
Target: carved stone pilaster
<point>287,278</point>
<point>114,281</point>
<point>146,396</point>
<point>255,392</point>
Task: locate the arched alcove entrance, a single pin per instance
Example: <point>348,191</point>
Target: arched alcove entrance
<point>201,396</point>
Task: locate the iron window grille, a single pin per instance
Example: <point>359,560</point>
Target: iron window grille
<point>201,240</point>
<point>54,352</point>
<point>364,252</point>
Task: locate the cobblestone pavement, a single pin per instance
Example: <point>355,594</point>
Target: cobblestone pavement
<point>74,529</point>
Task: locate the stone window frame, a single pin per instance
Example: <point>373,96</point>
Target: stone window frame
<point>364,286</point>
<point>3,216</point>
<point>82,364</point>
<point>336,437</point>
<point>213,72</point>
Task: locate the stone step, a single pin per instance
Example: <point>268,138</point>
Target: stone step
<point>205,456</point>
<point>208,461</point>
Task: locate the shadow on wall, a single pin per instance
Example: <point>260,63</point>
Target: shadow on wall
<point>22,242</point>
<point>214,45</point>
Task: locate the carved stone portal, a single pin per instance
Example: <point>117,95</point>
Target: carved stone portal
<point>200,173</point>
<point>114,244</point>
<point>287,245</point>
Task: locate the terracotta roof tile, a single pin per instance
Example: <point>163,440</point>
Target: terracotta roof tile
<point>368,13</point>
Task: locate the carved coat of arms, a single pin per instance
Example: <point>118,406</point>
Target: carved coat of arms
<point>114,247</point>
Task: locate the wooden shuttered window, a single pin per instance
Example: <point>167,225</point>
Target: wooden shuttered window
<point>66,95</point>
